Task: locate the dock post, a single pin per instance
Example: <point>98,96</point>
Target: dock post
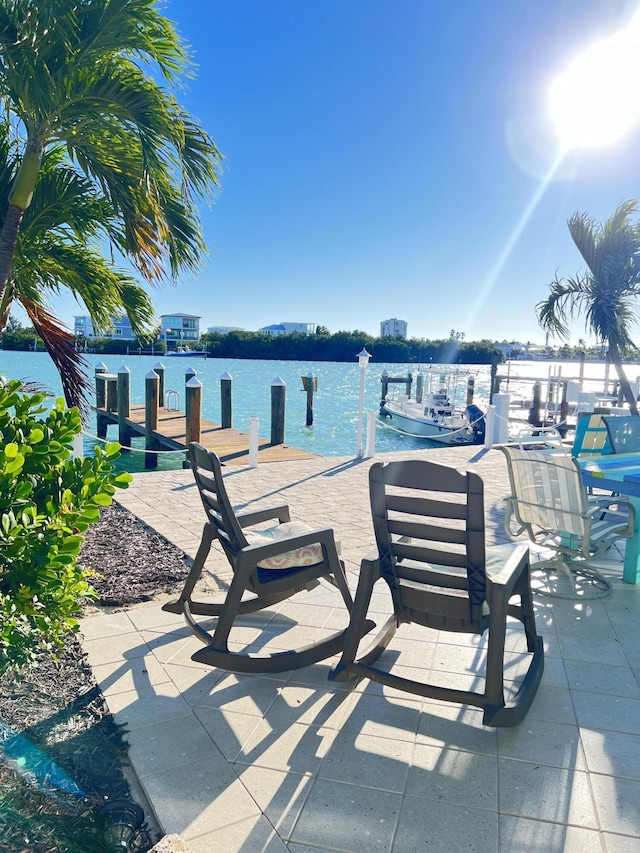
<point>112,393</point>
<point>501,418</point>
<point>494,387</point>
<point>193,407</point>
<point>385,386</point>
<point>226,413</point>
<point>407,385</point>
<point>310,389</point>
<point>124,383</point>
<point>160,370</point>
<point>254,432</point>
<point>582,356</point>
<point>101,400</point>
<point>419,387</point>
<point>564,409</point>
<point>489,420</point>
<point>370,448</point>
<point>471,383</point>
<point>534,411</point>
<point>278,391</point>
<point>151,385</point>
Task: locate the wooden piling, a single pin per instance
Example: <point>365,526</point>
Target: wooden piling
<point>123,399</point>
<point>311,386</point>
<point>112,392</point>
<point>564,409</point>
<point>151,387</point>
<point>160,369</point>
<point>419,387</point>
<point>278,391</point>
<point>534,412</point>
<point>226,410</point>
<point>471,382</point>
<point>193,409</point>
<point>102,423</point>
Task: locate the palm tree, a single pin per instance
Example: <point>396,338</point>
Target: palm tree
<point>607,292</point>
<point>79,73</point>
<point>59,247</point>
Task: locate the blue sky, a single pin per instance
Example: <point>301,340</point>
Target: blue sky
<point>387,158</point>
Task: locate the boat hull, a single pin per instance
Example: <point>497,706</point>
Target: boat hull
<point>453,432</point>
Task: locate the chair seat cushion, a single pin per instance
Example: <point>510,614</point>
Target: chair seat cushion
<point>309,555</point>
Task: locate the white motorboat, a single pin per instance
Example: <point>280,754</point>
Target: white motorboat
<point>187,353</point>
<point>434,416</point>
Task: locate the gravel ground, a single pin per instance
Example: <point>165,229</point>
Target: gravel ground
<point>59,708</point>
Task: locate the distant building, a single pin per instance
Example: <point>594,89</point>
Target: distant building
<point>120,328</point>
<point>223,330</point>
<point>514,350</point>
<point>288,328</point>
<point>179,328</point>
<point>393,328</point>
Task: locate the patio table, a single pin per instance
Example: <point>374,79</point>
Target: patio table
<point>619,473</point>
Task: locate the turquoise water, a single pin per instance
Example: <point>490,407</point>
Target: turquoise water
<point>335,403</point>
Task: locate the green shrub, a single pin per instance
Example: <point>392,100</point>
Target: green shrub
<point>47,501</point>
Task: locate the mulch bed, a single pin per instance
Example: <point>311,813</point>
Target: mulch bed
<point>60,709</point>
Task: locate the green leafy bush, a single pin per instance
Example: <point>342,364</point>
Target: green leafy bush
<point>47,501</point>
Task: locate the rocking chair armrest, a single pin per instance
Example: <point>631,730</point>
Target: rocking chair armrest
<point>251,517</point>
<point>507,576</point>
<point>323,536</point>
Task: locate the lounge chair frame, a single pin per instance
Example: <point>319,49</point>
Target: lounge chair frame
<point>549,503</point>
<point>430,533</point>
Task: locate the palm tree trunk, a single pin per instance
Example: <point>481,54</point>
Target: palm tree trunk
<point>627,393</point>
<point>8,239</point>
<point>19,200</point>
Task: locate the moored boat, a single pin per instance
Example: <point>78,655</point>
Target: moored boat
<point>187,353</point>
<point>434,416</point>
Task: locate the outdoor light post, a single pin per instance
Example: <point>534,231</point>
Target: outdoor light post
<point>363,361</point>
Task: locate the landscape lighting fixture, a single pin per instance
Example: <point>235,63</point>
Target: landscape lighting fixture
<point>363,357</point>
<point>118,821</point>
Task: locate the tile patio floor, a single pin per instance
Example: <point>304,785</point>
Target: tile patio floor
<point>296,763</point>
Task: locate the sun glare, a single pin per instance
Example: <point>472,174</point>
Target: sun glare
<point>595,101</point>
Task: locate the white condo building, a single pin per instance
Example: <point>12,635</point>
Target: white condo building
<point>393,328</point>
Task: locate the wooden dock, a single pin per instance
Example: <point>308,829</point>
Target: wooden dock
<point>230,445</point>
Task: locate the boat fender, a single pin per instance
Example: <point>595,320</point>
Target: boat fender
<point>477,421</point>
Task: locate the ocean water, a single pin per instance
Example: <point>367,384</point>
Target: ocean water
<point>334,431</point>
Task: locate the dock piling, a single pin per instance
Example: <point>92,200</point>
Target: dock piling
<point>123,392</point>
<point>193,407</point>
<point>278,391</point>
<point>534,412</point>
<point>254,438</point>
<point>310,387</point>
<point>471,382</point>
<point>160,369</point>
<point>101,400</point>
<point>151,387</point>
<point>226,411</point>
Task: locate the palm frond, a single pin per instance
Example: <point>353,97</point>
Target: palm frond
<point>60,345</point>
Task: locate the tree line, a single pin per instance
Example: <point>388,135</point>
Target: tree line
<point>341,346</point>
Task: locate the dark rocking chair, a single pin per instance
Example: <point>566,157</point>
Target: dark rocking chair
<point>430,534</point>
<point>271,565</point>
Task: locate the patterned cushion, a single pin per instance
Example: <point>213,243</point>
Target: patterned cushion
<point>309,555</point>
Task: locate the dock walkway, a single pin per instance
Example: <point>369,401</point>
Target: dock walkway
<point>230,445</point>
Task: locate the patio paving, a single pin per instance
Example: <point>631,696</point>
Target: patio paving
<point>293,762</point>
